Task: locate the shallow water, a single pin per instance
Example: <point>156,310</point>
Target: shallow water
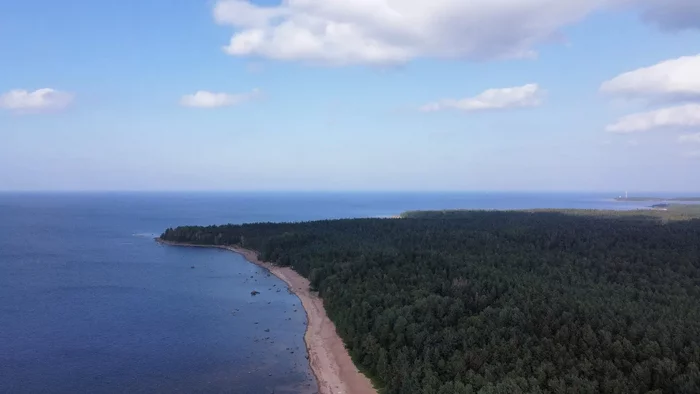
<point>90,303</point>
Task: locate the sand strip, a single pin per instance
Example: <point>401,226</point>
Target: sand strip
<point>329,360</point>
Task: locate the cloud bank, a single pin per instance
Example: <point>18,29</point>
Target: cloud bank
<point>341,32</point>
<point>380,32</point>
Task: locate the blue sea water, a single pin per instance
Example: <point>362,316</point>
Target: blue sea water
<point>90,303</point>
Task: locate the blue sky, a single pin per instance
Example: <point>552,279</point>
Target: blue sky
<point>508,95</point>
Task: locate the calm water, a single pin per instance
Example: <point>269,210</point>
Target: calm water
<point>90,303</point>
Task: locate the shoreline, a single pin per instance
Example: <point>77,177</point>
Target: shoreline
<point>329,360</point>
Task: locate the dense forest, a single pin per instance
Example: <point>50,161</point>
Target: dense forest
<point>500,302</point>
<point>662,212</point>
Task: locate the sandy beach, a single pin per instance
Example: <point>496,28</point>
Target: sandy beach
<point>329,360</point>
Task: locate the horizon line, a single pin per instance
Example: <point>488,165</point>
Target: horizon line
<point>331,191</point>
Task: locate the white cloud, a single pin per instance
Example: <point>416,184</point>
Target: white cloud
<point>670,80</point>
<point>342,32</point>
<point>517,97</point>
<point>680,117</point>
<point>689,138</point>
<point>39,100</point>
<point>204,99</point>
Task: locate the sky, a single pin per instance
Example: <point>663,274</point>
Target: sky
<point>419,95</point>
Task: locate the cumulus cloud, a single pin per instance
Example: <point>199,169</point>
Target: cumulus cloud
<point>341,32</point>
<point>204,99</point>
<point>516,97</point>
<point>669,81</point>
<point>394,31</point>
<point>680,117</point>
<point>39,100</point>
<point>690,138</point>
<point>676,79</point>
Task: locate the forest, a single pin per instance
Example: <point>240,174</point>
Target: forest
<point>458,302</point>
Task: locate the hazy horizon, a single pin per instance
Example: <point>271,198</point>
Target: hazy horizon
<point>598,193</point>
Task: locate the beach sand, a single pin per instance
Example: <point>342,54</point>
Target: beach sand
<point>329,360</point>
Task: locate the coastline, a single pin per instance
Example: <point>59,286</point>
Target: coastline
<point>329,360</point>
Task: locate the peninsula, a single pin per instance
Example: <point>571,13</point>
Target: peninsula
<point>457,302</point>
<point>329,360</point>
<point>658,199</point>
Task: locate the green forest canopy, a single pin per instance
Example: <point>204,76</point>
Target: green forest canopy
<point>500,302</point>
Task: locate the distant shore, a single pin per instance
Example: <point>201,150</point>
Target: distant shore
<point>329,360</point>
<point>657,199</point>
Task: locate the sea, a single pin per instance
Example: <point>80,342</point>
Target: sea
<point>90,303</point>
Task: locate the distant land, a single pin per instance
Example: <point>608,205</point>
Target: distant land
<point>664,212</point>
<point>658,199</point>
